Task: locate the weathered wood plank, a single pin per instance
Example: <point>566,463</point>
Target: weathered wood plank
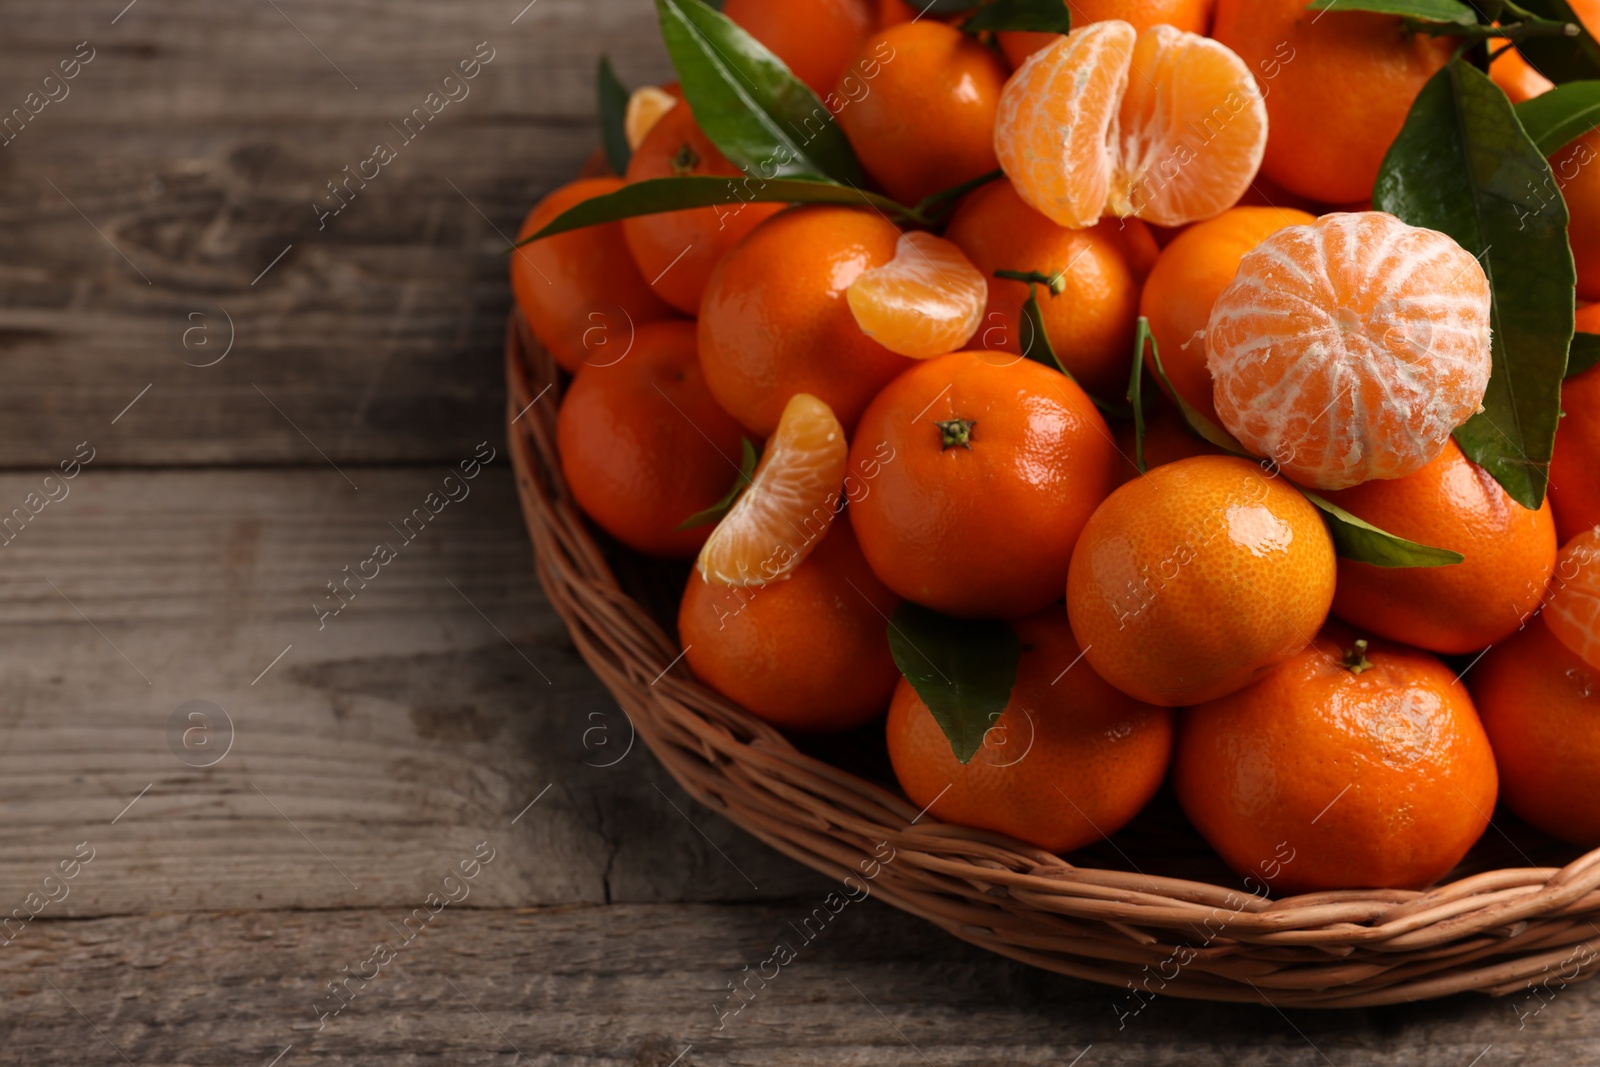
<point>648,985</point>
<point>153,201</point>
<point>367,759</point>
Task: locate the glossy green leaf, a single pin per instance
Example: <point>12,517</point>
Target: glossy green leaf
<point>1584,353</point>
<point>1363,542</point>
<point>747,467</point>
<point>656,195</point>
<point>1046,16</point>
<point>1462,164</point>
<point>613,115</point>
<point>763,118</point>
<point>1555,118</point>
<point>963,669</point>
<point>1447,11</point>
<point>1560,58</point>
<point>1141,338</point>
<point>1204,427</point>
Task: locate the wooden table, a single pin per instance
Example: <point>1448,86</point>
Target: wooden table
<point>252,795</point>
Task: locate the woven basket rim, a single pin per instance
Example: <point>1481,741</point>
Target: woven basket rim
<point>1492,932</point>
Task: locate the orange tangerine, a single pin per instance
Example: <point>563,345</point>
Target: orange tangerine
<point>814,38</point>
<point>926,301</point>
<point>926,120</point>
<point>1351,348</point>
<point>1187,277</point>
<point>1572,611</point>
<point>790,503</point>
<point>1090,322</point>
<point>1193,16</point>
<point>1068,761</point>
<point>1516,77</point>
<point>1198,578</point>
<point>580,291</point>
<point>1164,125</point>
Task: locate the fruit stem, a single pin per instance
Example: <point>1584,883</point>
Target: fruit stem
<point>956,433</point>
<point>1355,659</point>
<point>685,160</point>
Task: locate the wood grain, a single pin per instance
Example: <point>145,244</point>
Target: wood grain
<point>648,985</point>
<point>421,719</point>
<point>196,141</point>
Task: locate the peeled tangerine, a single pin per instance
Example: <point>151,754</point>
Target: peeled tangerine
<point>790,503</point>
<point>1351,348</point>
<point>926,301</point>
<point>1164,125</point>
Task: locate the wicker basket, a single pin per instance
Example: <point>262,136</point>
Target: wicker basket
<point>1496,930</point>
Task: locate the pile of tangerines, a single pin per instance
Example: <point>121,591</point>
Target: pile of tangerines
<point>1114,387</point>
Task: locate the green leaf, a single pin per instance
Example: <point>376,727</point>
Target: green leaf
<point>655,195</point>
<point>1208,430</point>
<point>963,669</point>
<point>1448,11</point>
<point>1584,353</point>
<point>747,467</point>
<point>1363,542</point>
<point>1463,165</point>
<point>613,113</point>
<point>763,118</point>
<point>1141,337</point>
<point>1046,16</point>
<point>1556,118</point>
<point>1560,58</point>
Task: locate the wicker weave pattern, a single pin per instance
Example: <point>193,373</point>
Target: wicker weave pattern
<point>1493,932</point>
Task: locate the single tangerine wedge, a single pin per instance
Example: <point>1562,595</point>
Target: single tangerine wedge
<point>646,105</point>
<point>1163,125</point>
<point>1572,611</point>
<point>791,501</point>
<point>1351,348</point>
<point>926,301</point>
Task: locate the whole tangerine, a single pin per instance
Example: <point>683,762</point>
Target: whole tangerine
<point>926,121</point>
<point>777,321</point>
<point>1455,504</point>
<point>580,291</point>
<point>1575,466</point>
<point>990,465</point>
<point>677,250</point>
<point>1354,765</point>
<point>1196,579</point>
<point>1090,321</point>
<point>1338,86</point>
<point>643,444</point>
<point>1069,761</point>
<point>809,653</point>
<point>1541,707</point>
<point>815,38</point>
<point>1193,16</point>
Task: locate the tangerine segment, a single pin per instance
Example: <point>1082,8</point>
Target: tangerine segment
<point>926,301</point>
<point>1351,348</point>
<point>1192,129</point>
<point>646,105</point>
<point>1573,611</point>
<point>790,503</point>
<point>1055,125</point>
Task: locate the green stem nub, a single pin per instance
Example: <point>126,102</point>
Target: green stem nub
<point>1355,660</point>
<point>956,433</point>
